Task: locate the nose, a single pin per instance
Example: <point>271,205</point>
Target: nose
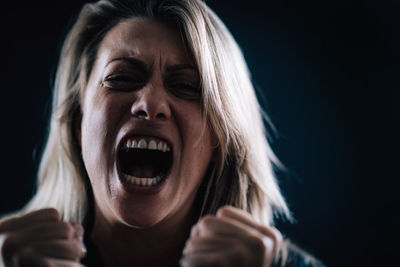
<point>151,104</point>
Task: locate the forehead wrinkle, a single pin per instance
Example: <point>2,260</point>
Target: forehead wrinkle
<point>160,63</point>
<point>112,48</point>
<point>137,43</point>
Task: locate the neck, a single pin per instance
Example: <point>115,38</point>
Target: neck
<point>158,245</point>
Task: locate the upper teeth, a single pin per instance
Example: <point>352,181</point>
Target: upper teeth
<point>151,144</point>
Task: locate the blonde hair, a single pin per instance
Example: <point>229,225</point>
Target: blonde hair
<point>243,173</point>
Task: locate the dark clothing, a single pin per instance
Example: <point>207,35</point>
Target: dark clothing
<point>295,258</point>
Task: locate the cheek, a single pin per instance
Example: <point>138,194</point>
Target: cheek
<point>94,128</point>
<point>198,145</point>
<point>205,147</point>
<point>92,143</point>
<point>99,127</point>
<point>101,115</point>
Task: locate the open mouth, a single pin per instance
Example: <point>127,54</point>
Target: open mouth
<point>145,161</point>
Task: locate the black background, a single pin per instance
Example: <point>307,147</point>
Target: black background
<point>329,75</point>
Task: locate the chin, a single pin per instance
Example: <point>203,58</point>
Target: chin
<point>142,216</point>
<point>142,207</point>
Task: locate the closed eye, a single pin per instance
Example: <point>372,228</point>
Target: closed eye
<point>185,90</point>
<point>123,82</point>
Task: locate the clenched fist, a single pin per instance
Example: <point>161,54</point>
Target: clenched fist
<point>231,238</point>
<point>40,238</point>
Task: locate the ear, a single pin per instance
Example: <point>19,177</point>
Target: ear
<point>77,127</point>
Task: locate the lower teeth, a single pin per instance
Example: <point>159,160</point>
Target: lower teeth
<point>143,181</point>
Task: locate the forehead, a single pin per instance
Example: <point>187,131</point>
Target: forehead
<point>146,39</point>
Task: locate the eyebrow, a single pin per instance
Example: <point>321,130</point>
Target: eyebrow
<point>140,64</point>
<point>179,67</point>
<point>133,61</point>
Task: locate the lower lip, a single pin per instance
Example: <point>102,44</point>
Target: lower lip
<point>137,189</point>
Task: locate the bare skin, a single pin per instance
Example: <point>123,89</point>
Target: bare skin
<point>231,238</point>
<point>153,246</point>
<point>40,238</point>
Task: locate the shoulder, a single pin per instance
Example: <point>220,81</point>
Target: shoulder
<point>293,256</point>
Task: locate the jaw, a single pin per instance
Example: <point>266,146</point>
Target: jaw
<point>161,203</point>
<point>142,207</point>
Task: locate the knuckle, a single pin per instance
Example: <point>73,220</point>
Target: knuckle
<point>266,230</point>
<point>52,213</point>
<point>67,229</point>
<point>273,233</point>
<point>5,223</point>
<point>259,244</point>
<point>224,210</point>
<point>9,244</point>
<point>206,221</point>
<point>277,235</point>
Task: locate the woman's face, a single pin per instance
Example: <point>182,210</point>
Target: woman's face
<point>144,144</point>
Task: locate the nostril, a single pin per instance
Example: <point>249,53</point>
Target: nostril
<point>141,114</point>
<point>144,115</point>
<point>146,110</point>
<point>161,116</point>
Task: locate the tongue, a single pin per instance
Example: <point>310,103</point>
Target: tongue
<point>143,171</point>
